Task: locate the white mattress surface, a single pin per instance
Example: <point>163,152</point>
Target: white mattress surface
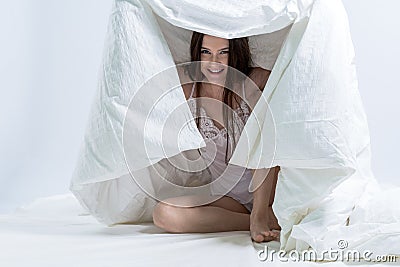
<point>55,231</point>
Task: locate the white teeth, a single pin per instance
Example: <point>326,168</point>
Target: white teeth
<point>216,71</point>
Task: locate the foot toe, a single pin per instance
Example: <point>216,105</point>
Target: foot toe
<point>267,233</point>
<point>259,238</point>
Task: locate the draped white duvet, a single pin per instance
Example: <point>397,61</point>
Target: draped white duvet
<point>314,126</point>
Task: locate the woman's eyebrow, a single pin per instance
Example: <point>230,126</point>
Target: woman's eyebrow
<point>218,50</point>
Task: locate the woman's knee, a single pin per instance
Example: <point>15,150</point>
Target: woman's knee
<point>168,218</point>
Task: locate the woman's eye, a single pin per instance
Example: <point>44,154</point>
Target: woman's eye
<point>205,52</point>
<point>224,52</point>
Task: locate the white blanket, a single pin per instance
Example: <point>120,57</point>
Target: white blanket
<point>314,126</point>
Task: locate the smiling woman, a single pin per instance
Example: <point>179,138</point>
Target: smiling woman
<point>220,59</point>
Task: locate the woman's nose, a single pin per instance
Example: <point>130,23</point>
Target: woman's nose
<point>215,58</point>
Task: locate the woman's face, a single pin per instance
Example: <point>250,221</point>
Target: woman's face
<point>214,57</point>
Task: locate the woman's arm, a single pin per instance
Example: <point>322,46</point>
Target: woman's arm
<point>263,187</point>
<point>263,184</point>
<point>262,178</point>
<point>260,77</point>
<point>254,86</point>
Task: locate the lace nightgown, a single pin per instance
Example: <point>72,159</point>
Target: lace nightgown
<point>232,180</point>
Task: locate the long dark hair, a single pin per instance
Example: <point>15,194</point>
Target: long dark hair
<point>240,59</point>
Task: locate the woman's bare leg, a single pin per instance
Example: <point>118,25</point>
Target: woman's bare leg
<point>224,214</point>
<point>183,215</point>
<point>262,218</point>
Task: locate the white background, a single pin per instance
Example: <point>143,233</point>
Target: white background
<point>50,54</point>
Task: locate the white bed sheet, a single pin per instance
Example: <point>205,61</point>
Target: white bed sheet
<point>55,231</point>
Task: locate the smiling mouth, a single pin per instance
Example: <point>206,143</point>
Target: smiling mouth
<point>215,71</point>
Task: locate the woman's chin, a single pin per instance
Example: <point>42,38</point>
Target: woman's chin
<point>215,79</point>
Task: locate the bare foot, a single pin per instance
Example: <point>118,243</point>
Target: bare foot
<point>262,228</point>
